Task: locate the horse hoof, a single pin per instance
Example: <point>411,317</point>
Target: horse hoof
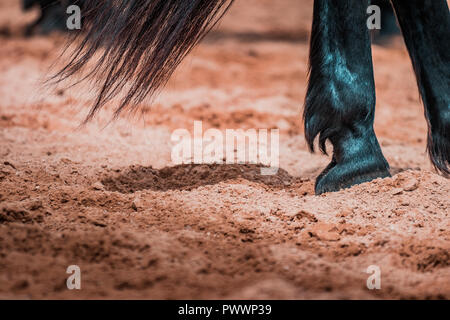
<point>339,176</point>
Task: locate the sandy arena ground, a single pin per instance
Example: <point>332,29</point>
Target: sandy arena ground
<point>109,199</point>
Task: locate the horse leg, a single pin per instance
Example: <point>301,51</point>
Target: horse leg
<point>426,28</point>
<point>340,101</point>
<point>28,5</point>
<point>53,17</point>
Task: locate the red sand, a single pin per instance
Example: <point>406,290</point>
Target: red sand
<point>110,201</point>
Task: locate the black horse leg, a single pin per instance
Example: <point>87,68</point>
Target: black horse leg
<point>426,28</point>
<point>340,102</point>
<point>52,16</point>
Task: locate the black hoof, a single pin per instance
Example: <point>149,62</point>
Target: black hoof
<point>355,161</point>
<point>342,176</point>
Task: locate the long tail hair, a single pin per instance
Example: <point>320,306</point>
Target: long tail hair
<point>143,41</point>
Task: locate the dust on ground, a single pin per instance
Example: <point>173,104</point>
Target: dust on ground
<point>109,199</point>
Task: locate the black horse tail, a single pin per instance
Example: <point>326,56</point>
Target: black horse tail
<point>143,41</point>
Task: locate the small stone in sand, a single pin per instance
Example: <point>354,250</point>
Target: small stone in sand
<point>411,185</point>
<point>324,231</point>
<point>98,186</point>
